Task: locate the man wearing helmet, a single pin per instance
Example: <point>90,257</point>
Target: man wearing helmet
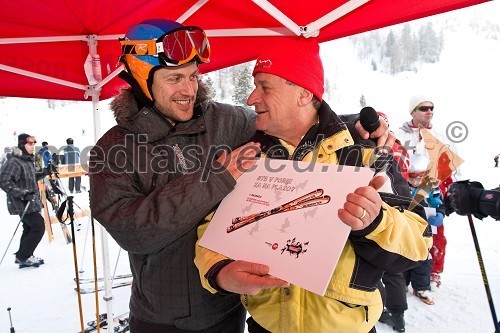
<point>162,169</point>
<point>154,176</point>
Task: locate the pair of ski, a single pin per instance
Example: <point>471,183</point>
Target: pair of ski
<point>51,197</point>
<point>89,290</point>
<point>121,323</point>
<point>311,199</point>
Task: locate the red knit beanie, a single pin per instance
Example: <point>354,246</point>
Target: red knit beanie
<point>296,60</point>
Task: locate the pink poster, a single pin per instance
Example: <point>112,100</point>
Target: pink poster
<point>284,214</point>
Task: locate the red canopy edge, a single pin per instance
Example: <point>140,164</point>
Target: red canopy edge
<point>64,60</point>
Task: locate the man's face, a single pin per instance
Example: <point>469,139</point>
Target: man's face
<point>275,102</point>
<point>30,145</point>
<point>422,115</point>
<point>174,90</point>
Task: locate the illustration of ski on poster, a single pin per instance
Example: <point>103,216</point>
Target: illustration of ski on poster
<point>284,214</point>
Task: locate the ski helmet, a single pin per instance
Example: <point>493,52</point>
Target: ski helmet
<point>418,163</point>
<point>157,43</point>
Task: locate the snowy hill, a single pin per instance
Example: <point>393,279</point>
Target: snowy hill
<point>465,86</point>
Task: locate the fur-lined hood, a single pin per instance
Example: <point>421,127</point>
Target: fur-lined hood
<point>124,107</point>
<point>14,151</point>
<point>18,153</point>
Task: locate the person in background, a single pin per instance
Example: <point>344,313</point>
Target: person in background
<point>19,180</point>
<point>72,157</point>
<point>496,160</point>
<point>421,109</point>
<point>294,122</point>
<point>46,155</point>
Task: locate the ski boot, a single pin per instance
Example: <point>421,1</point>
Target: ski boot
<point>425,296</point>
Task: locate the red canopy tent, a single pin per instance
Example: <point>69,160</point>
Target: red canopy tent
<point>44,45</point>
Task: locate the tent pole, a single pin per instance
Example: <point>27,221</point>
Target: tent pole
<point>108,291</point>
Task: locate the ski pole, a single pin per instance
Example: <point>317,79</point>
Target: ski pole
<point>96,287</point>
<point>20,220</point>
<point>483,273</point>
<point>12,330</point>
<point>71,215</point>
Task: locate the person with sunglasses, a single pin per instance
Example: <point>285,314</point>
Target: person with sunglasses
<point>421,109</point>
<point>162,169</point>
<point>294,122</point>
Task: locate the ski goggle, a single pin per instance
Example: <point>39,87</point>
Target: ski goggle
<point>176,47</point>
<point>416,174</point>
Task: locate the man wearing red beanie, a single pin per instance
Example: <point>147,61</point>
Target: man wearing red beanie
<point>293,122</point>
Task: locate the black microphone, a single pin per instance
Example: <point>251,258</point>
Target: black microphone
<point>368,118</point>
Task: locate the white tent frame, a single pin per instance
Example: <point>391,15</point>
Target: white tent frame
<point>93,90</point>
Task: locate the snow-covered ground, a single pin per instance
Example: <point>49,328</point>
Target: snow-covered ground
<point>43,299</point>
<point>465,83</point>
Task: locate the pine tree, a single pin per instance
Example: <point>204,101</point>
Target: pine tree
<point>242,87</point>
<point>51,104</point>
<point>207,80</point>
<point>362,101</point>
<point>407,47</point>
<point>430,46</point>
<point>390,44</point>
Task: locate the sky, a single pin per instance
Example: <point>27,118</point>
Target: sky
<point>465,83</point>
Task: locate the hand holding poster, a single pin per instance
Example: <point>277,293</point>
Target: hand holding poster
<point>284,214</point>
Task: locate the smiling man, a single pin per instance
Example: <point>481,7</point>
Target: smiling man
<point>294,122</point>
<point>153,176</point>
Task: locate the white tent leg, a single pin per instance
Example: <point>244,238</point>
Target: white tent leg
<point>108,290</point>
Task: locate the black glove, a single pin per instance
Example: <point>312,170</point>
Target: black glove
<point>30,196</point>
<point>464,198</point>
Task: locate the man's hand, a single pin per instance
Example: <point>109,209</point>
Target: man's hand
<point>243,277</point>
<point>385,138</point>
<point>240,159</point>
<point>463,196</point>
<point>362,206</point>
<point>30,196</point>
